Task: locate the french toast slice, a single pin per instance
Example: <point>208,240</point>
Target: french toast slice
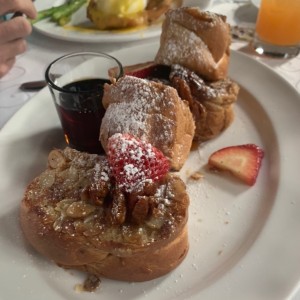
<point>151,111</point>
<point>74,214</point>
<point>196,39</point>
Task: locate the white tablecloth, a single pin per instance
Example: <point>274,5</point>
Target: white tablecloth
<point>42,50</point>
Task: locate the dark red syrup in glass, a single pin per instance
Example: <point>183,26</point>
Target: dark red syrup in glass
<point>81,113</point>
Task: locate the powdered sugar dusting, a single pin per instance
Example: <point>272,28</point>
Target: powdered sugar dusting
<point>176,21</point>
<point>135,163</point>
<point>79,197</point>
<point>207,19</point>
<point>185,40</point>
<point>134,105</point>
<point>174,52</point>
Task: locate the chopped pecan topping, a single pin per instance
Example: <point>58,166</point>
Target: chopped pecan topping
<point>97,192</point>
<point>148,191</point>
<point>56,159</point>
<point>117,211</point>
<point>140,210</point>
<point>79,209</point>
<point>157,219</point>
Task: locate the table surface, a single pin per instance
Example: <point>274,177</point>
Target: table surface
<point>42,50</point>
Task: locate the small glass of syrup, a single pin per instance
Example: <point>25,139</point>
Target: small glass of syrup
<point>76,84</point>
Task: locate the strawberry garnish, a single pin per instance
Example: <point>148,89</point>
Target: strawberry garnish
<point>148,71</point>
<point>243,161</point>
<point>134,162</point>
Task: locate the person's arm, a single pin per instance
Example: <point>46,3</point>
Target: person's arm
<point>13,31</point>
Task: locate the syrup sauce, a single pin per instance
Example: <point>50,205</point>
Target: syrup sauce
<point>81,113</point>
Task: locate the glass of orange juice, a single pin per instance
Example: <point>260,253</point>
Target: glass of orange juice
<point>277,30</point>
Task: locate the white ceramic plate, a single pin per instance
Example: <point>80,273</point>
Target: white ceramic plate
<point>244,241</point>
<point>256,3</point>
<point>81,29</point>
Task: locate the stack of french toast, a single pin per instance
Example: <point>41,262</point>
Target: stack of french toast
<point>124,215</point>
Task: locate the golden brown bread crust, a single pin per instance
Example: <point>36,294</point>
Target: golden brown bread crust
<point>197,40</point>
<point>152,112</point>
<point>154,10</point>
<point>211,103</point>
<point>74,215</point>
<point>161,259</point>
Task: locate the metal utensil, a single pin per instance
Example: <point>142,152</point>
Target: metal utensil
<point>18,13</point>
<point>33,85</point>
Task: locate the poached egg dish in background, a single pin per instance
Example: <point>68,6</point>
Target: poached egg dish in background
<point>121,7</point>
<point>118,14</point>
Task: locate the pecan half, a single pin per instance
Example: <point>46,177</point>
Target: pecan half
<point>117,209</point>
<point>97,192</point>
<point>140,210</point>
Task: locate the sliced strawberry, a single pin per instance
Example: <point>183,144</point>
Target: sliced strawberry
<point>134,162</point>
<point>148,71</point>
<point>243,161</point>
<point>141,70</point>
